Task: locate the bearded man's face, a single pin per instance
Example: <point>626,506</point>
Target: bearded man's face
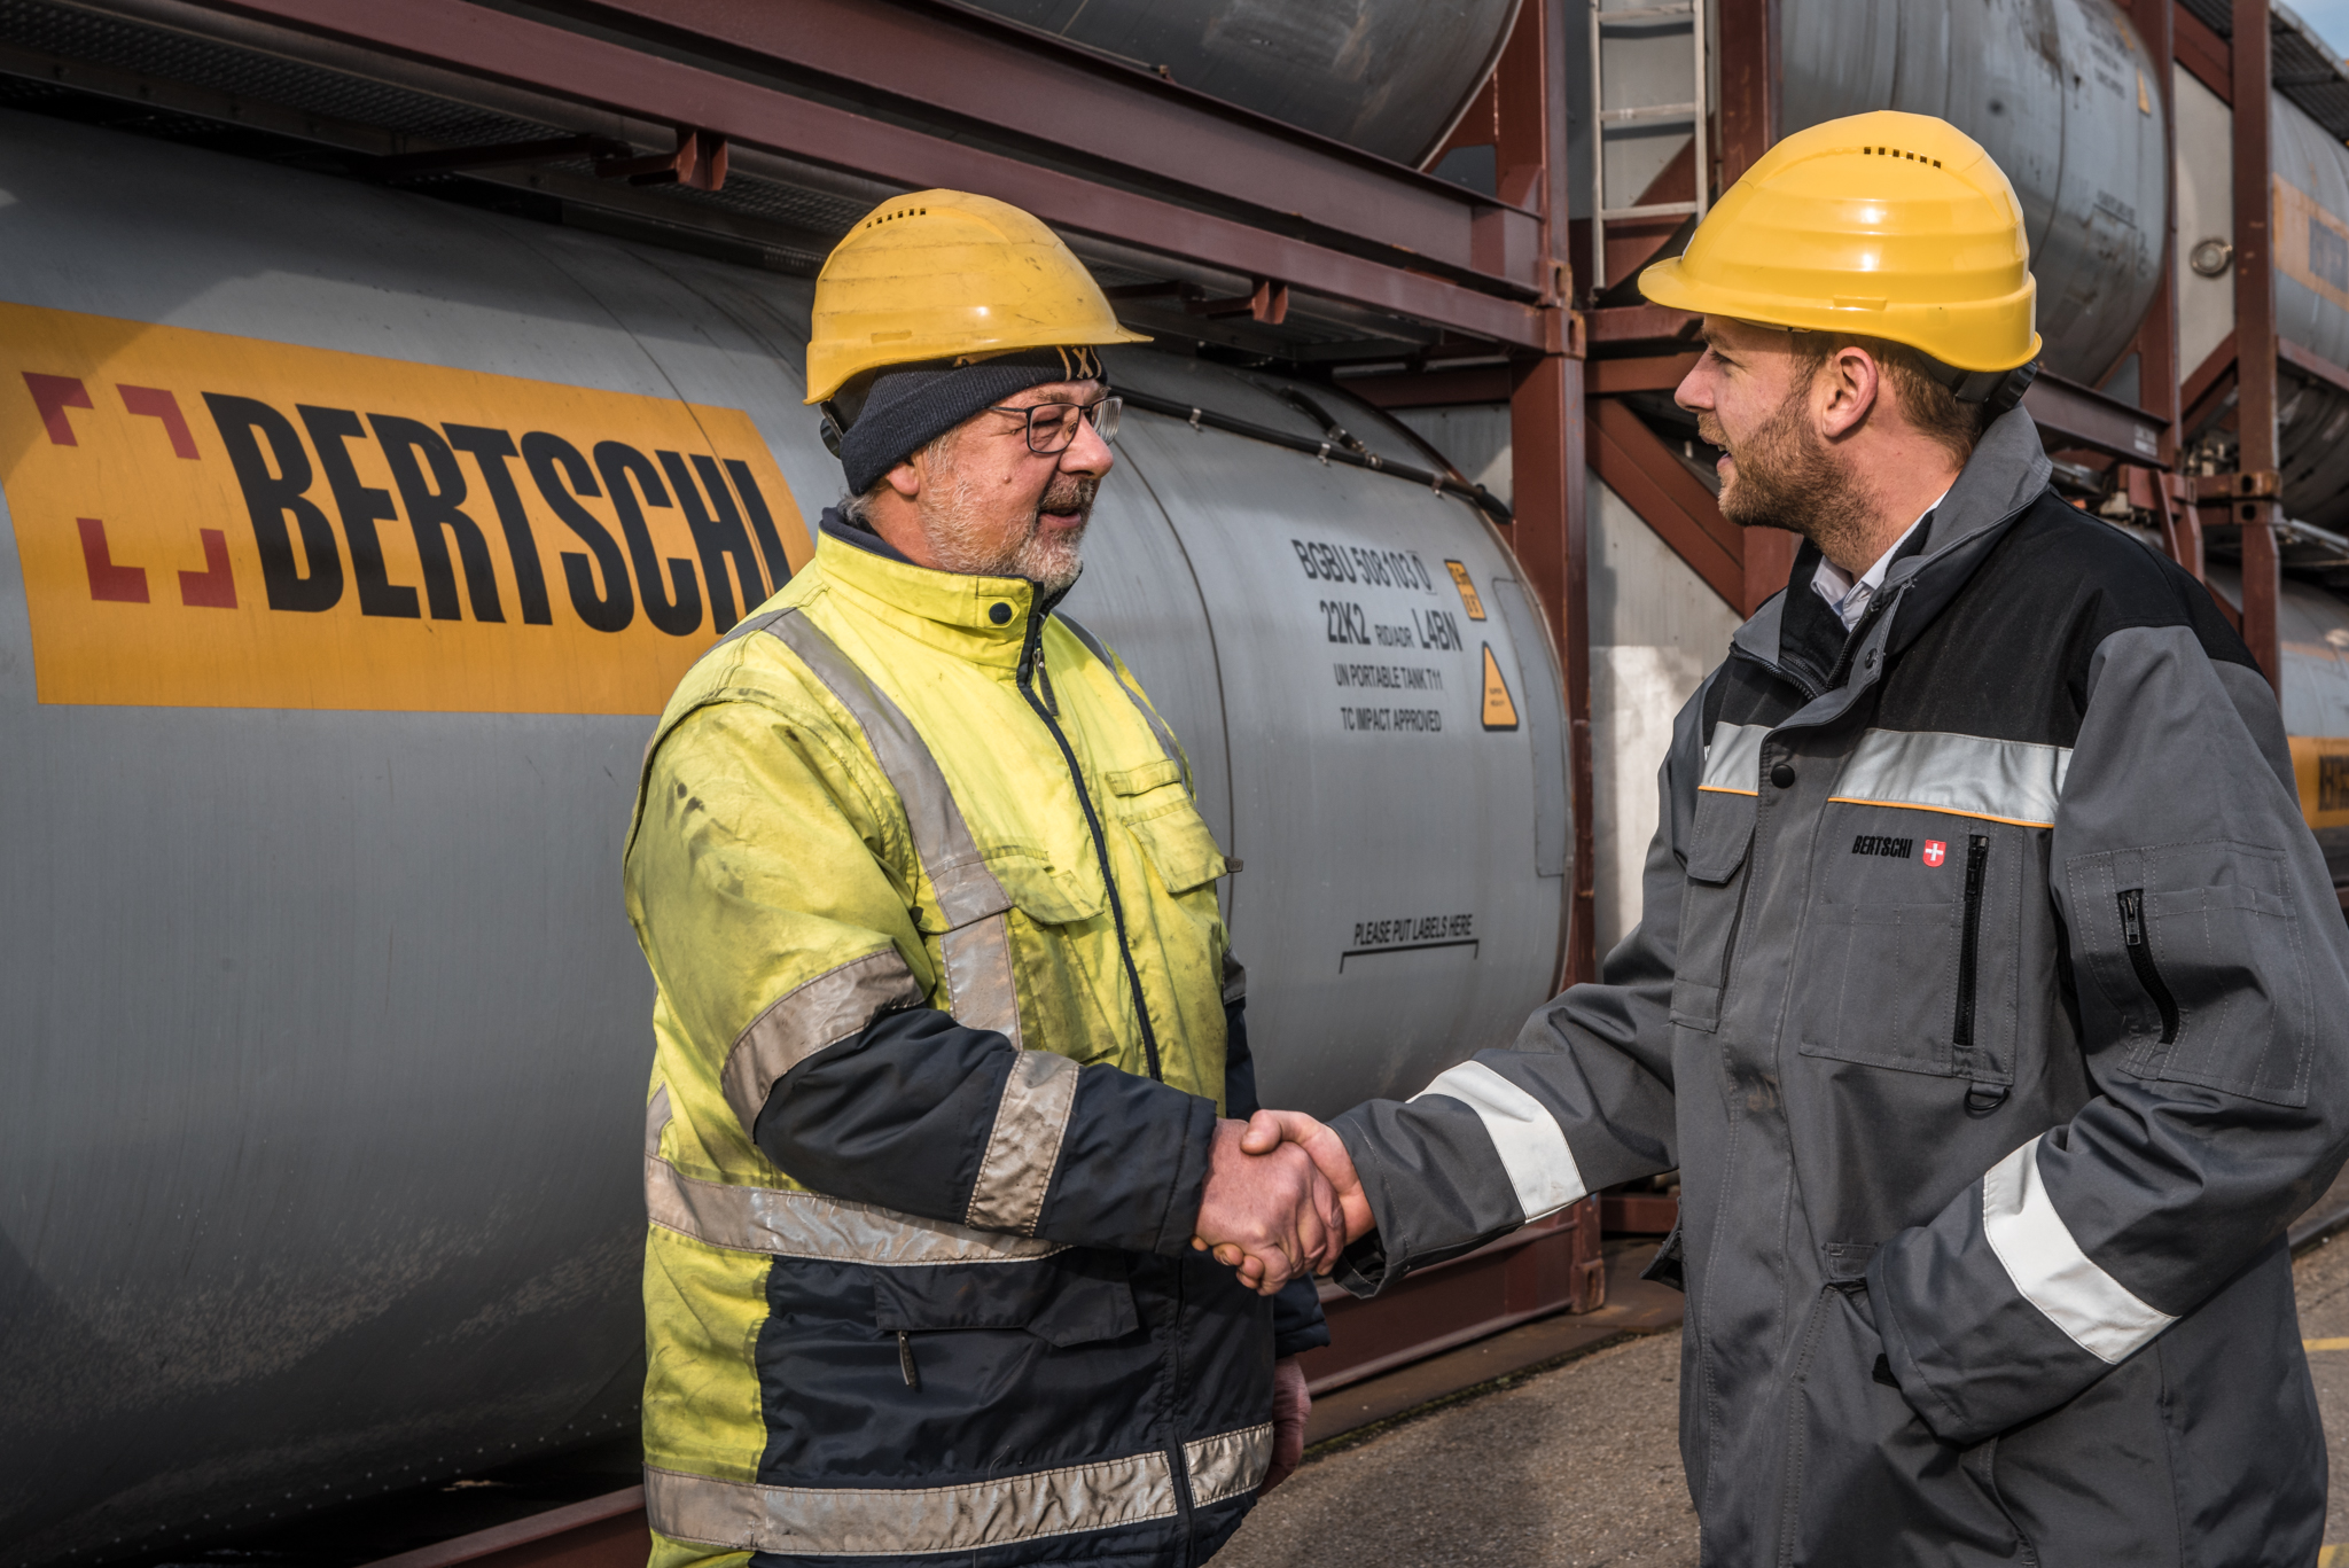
<point>990,506</point>
<point>1752,393</point>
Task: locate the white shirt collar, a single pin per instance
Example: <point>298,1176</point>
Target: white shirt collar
<point>1849,599</point>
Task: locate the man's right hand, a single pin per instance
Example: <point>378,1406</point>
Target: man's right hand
<point>1269,1205</point>
<point>1271,1130</point>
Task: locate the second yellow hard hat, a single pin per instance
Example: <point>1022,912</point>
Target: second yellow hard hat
<point>1890,226</point>
<point>941,275</point>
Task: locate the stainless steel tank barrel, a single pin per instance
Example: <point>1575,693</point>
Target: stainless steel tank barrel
<point>2060,92</point>
<point>352,540</point>
<point>1392,76</point>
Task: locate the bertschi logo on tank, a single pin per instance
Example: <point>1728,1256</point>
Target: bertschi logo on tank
<point>211,521</point>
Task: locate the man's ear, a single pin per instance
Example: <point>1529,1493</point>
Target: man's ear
<point>1849,385</point>
<point>906,479</point>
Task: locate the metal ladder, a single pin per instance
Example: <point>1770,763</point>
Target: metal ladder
<point>1603,119</point>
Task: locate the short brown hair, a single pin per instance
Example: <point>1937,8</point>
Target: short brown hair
<point>1928,404</point>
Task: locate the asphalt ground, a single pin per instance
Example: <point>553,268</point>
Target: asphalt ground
<point>1578,1466</point>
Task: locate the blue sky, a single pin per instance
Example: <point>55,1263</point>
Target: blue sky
<point>2329,17</point>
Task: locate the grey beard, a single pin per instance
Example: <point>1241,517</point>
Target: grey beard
<point>1051,562</point>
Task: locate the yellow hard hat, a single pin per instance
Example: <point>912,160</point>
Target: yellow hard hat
<point>1891,225</point>
<point>939,274</point>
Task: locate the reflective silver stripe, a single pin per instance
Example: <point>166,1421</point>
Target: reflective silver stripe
<point>787,1224</point>
<point>1733,762</point>
<point>814,1014</point>
<point>893,1522</point>
<point>981,989</point>
<point>1229,1464</point>
<point>1531,1144</point>
<point>1158,726</point>
<point>2100,1315</point>
<point>967,889</point>
<point>1024,1148</point>
<point>1965,776</point>
<point>889,1521</point>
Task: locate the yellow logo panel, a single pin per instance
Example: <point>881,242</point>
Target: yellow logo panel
<point>212,521</point>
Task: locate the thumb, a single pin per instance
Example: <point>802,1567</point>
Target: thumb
<point>1264,1134</point>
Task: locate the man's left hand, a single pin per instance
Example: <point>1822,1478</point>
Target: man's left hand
<point>1290,1405</point>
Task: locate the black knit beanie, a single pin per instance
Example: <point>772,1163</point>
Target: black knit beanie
<point>904,408</point>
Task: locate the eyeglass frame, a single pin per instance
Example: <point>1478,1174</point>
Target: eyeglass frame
<point>1108,405</point>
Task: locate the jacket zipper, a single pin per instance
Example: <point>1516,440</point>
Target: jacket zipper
<point>1736,924</point>
<point>1961,1033</point>
<point>1178,1460</point>
<point>2140,957</point>
<point>1032,655</point>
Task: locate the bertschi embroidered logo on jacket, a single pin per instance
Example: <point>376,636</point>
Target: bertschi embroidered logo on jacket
<point>1987,998</point>
<point>941,1037</point>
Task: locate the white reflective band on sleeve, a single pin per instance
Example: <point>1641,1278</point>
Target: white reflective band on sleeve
<point>1732,759</point>
<point>1965,776</point>
<point>2100,1314</point>
<point>1529,1139</point>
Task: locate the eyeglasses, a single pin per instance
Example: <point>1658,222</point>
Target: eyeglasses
<point>1052,427</point>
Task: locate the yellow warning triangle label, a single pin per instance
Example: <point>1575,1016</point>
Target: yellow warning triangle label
<point>1500,708</point>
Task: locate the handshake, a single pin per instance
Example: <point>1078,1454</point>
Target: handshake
<point>1281,1200</point>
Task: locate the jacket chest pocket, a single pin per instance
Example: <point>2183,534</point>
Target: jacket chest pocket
<point>1175,838</point>
<point>1713,906</point>
<point>1911,961</point>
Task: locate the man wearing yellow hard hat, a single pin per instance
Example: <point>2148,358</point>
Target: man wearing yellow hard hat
<point>1988,992</point>
<point>950,1042</point>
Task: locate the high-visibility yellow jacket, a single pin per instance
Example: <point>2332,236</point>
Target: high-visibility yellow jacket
<point>941,1037</point>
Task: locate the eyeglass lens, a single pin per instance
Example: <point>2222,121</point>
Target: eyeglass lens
<point>1052,427</point>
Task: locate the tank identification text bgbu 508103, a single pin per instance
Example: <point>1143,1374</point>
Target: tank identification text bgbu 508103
<point>1363,567</point>
<point>212,521</point>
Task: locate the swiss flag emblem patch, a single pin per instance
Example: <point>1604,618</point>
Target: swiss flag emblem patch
<point>1936,852</point>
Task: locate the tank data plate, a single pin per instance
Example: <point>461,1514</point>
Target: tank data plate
<point>214,521</point>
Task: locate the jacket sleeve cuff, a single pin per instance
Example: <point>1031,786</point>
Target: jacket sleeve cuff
<point>1297,1324</point>
<point>1132,1164</point>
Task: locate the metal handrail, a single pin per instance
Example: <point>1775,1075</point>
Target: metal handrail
<point>1332,449</point>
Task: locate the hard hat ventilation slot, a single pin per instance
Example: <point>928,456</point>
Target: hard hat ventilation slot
<point>1897,153</point>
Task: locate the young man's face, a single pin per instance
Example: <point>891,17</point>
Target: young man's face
<point>1751,395</point>
<point>992,506</point>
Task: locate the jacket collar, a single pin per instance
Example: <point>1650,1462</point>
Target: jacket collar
<point>2008,470</point>
<point>984,619</point>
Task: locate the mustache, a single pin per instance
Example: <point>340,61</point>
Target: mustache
<point>1071,493</point>
<point>1708,430</point>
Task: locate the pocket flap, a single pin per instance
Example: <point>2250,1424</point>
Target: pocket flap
<point>1149,776</point>
<point>1070,1298</point>
<point>1722,831</point>
<point>1180,845</point>
<point>1044,894</point>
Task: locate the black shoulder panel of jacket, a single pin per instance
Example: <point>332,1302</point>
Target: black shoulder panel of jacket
<point>1744,692</point>
<point>2045,597</point>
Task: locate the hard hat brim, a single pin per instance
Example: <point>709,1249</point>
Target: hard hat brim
<point>1925,329</point>
<point>828,373</point>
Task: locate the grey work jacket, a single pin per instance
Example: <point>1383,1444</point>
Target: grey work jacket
<point>1993,999</point>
